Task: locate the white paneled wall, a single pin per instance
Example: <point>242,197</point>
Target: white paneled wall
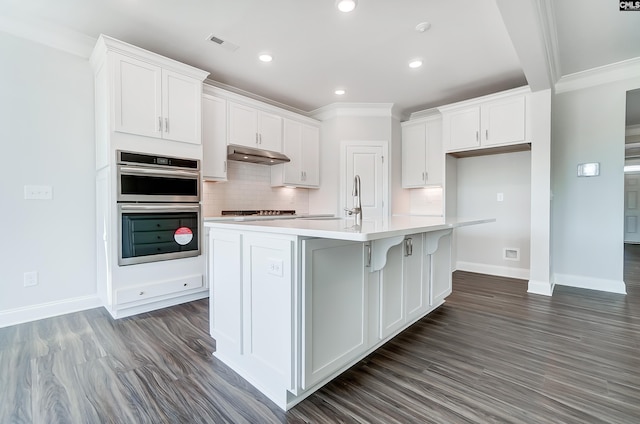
<point>249,188</point>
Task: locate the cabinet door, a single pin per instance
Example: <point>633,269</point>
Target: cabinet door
<point>438,245</point>
<point>414,145</point>
<point>292,147</point>
<point>181,107</point>
<point>137,103</point>
<point>392,292</point>
<point>462,128</point>
<point>503,121</point>
<point>334,313</point>
<point>435,155</point>
<point>267,314</point>
<point>270,132</point>
<point>310,145</point>
<point>243,125</point>
<point>214,138</point>
<point>415,278</point>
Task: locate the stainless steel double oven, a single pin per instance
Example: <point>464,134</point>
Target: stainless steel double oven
<point>158,199</point>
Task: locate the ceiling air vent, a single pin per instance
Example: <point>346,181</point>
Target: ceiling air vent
<point>222,43</point>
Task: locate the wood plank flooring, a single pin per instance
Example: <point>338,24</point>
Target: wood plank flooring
<point>491,353</point>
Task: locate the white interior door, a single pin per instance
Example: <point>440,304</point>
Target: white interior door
<point>366,159</point>
<point>632,208</point>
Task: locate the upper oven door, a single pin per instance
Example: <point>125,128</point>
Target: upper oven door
<point>156,184</point>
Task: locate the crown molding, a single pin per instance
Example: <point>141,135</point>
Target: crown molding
<point>547,20</point>
<point>48,34</point>
<point>368,110</point>
<point>613,72</point>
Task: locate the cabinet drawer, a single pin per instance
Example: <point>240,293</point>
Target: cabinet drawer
<point>148,291</point>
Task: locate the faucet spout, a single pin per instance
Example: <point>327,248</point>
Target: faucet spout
<point>357,199</point>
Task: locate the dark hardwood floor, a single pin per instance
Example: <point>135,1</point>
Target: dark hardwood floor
<point>491,353</point>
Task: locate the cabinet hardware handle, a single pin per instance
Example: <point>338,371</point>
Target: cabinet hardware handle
<point>141,293</point>
<point>260,138</point>
<point>408,247</point>
<point>184,285</point>
<point>426,176</point>
<point>225,166</point>
<point>256,138</point>
<point>159,123</point>
<point>486,134</point>
<point>477,135</point>
<point>368,255</point>
<point>166,124</point>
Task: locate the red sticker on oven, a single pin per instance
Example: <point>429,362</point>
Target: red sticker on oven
<point>183,236</point>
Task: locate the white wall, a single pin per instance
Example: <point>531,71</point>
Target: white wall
<point>338,127</point>
<point>47,137</point>
<point>588,125</point>
<point>479,179</point>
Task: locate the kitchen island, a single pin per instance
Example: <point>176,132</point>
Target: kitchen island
<point>296,302</point>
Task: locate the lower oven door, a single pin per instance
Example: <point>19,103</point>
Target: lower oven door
<point>157,232</point>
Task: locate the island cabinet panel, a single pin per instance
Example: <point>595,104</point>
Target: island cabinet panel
<point>334,312</point>
<point>438,249</point>
<point>225,254</point>
<point>404,285</point>
<point>267,299</point>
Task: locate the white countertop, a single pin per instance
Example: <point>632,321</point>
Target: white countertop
<point>246,218</point>
<point>344,228</point>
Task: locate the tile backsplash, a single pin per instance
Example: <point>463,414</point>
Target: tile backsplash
<point>249,188</point>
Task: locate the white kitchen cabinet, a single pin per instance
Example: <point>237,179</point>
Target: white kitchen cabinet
<point>491,121</point>
<point>404,285</point>
<point>155,102</point>
<point>214,138</point>
<point>334,311</point>
<point>252,127</point>
<point>302,145</point>
<point>437,246</point>
<point>422,156</point>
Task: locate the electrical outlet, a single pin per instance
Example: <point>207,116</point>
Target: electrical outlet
<point>274,267</point>
<point>500,197</point>
<point>31,278</point>
<point>39,192</point>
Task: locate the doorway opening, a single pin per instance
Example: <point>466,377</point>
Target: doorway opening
<point>632,191</point>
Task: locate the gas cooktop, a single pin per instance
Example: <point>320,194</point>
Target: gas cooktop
<point>262,212</point>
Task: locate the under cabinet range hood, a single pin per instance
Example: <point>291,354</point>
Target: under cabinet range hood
<point>253,155</point>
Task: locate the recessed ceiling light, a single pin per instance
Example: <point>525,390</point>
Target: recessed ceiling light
<point>265,57</point>
<point>423,26</point>
<point>340,92</point>
<point>415,63</point>
<point>346,5</point>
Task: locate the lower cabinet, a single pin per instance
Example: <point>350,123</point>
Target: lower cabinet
<point>334,311</point>
<point>289,313</point>
<point>404,285</point>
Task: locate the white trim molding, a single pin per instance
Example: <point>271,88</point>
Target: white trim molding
<point>591,283</point>
<point>334,110</point>
<point>500,271</point>
<point>48,310</point>
<point>614,72</point>
<point>48,34</point>
<point>544,288</point>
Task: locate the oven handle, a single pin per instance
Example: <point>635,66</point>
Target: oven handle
<point>168,172</point>
<point>169,207</point>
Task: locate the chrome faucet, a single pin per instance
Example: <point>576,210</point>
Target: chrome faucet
<point>357,200</point>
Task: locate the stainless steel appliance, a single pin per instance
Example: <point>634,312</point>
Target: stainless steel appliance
<point>158,208</point>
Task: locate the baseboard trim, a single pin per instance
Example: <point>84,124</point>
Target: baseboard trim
<point>591,283</point>
<point>500,271</point>
<point>544,288</point>
<point>48,310</point>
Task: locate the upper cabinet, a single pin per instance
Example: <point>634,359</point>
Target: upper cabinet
<point>214,138</point>
<point>491,121</point>
<point>252,127</point>
<point>302,146</point>
<point>422,156</point>
<point>148,94</point>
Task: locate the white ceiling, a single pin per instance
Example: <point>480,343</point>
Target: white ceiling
<point>467,52</point>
